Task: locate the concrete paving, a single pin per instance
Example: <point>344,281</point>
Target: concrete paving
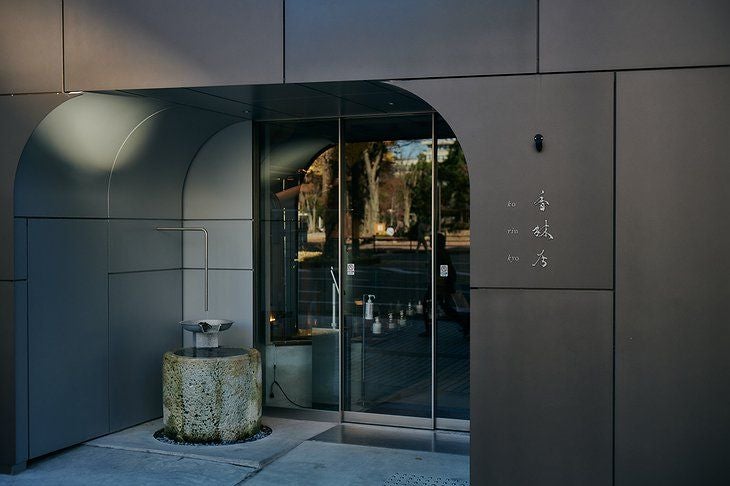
<point>329,464</point>
<point>95,466</point>
<point>286,434</point>
<point>298,452</point>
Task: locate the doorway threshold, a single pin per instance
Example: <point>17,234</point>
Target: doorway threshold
<point>445,442</point>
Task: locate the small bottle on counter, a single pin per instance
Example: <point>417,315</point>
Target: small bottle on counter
<point>377,327</point>
<point>391,322</point>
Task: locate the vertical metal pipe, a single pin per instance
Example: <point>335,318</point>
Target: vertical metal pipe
<point>434,219</point>
<point>205,268</point>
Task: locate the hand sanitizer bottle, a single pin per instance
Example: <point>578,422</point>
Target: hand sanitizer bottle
<point>369,305</point>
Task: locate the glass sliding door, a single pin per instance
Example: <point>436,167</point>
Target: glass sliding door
<point>299,245</point>
<point>354,216</point>
<point>387,251</point>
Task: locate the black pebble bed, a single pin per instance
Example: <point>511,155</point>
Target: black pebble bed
<point>263,432</point>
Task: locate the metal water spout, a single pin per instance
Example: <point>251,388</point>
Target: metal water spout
<point>205,331</point>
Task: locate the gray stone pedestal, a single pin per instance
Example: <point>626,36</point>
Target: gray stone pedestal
<point>211,394</point>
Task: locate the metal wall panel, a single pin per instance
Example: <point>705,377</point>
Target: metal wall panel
<point>21,114</point>
<point>150,168</point>
<point>135,245</point>
<point>231,297</point>
<point>30,46</point>
<point>230,244</point>
<point>7,378</point>
<point>20,353</point>
<point>67,332</point>
<point>20,248</point>
<point>496,120</point>
<point>144,311</point>
<point>172,43</point>
<point>672,284</point>
<point>64,168</point>
<point>576,35</point>
<point>330,40</point>
<point>541,387</point>
<point>220,182</point>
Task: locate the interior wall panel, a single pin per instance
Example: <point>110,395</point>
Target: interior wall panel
<point>20,248</point>
<point>331,40</point>
<point>172,43</point>
<point>220,182</point>
<point>672,284</point>
<point>541,387</point>
<point>144,311</point>
<point>135,245</point>
<point>150,167</point>
<point>30,46</point>
<point>64,169</point>
<point>68,338</point>
<point>496,120</point>
<point>230,244</point>
<point>576,35</point>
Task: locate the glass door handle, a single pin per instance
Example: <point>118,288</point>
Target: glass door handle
<point>334,279</point>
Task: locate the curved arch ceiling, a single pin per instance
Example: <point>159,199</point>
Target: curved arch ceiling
<point>111,155</point>
<point>122,155</point>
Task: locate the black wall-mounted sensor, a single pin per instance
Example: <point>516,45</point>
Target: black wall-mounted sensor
<point>538,142</point>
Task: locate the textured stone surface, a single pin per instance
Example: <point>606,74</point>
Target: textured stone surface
<point>212,398</point>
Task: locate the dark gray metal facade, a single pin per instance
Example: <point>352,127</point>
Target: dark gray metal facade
<point>576,35</point>
<point>672,277</point>
<point>165,43</point>
<point>330,40</point>
<point>496,120</point>
<point>541,387</point>
<point>30,49</point>
<point>671,381</point>
<point>20,115</point>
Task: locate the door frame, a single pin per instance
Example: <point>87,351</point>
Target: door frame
<point>345,416</point>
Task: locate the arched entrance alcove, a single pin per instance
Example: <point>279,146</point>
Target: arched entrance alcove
<point>95,179</point>
<point>103,289</point>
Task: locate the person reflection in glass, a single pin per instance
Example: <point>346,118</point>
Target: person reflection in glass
<point>421,230</point>
<point>447,297</point>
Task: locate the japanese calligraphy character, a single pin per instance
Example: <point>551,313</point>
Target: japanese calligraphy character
<point>542,260</point>
<point>542,232</point>
<point>541,202</point>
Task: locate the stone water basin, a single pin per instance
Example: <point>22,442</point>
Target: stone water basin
<point>211,395</point>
